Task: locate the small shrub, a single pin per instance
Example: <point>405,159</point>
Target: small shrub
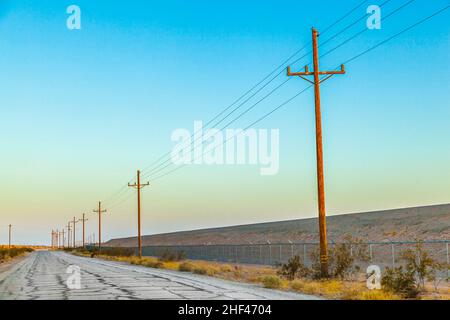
<point>185,267</point>
<point>409,281</point>
<point>271,282</point>
<point>342,259</point>
<point>294,268</point>
<point>400,281</point>
<point>419,262</point>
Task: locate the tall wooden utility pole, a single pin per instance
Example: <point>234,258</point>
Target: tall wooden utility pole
<point>138,187</point>
<point>319,153</point>
<point>99,211</point>
<point>9,237</point>
<point>83,220</point>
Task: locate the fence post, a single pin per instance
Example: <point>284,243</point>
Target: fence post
<point>260,255</point>
<point>370,252</point>
<point>448,261</point>
<point>292,250</point>
<point>281,246</point>
<point>304,253</point>
<point>393,255</point>
<point>270,254</point>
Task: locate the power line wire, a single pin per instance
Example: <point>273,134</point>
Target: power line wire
<point>168,162</point>
<point>282,65</point>
<point>366,29</point>
<point>345,62</point>
<point>162,166</point>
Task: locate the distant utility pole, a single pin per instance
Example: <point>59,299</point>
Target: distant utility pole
<point>74,222</point>
<point>99,211</point>
<point>9,237</point>
<point>83,220</point>
<point>68,234</point>
<point>319,153</point>
<point>57,238</point>
<point>138,187</point>
<point>63,240</point>
<point>53,238</point>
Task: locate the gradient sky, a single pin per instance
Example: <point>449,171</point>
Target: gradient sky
<point>81,110</point>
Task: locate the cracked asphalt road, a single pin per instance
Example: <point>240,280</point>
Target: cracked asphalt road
<point>42,275</point>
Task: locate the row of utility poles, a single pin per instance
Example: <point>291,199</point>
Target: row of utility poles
<point>67,239</point>
<point>317,80</point>
<point>57,237</point>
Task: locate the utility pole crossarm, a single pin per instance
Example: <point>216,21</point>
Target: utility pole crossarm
<point>307,73</point>
<point>138,186</point>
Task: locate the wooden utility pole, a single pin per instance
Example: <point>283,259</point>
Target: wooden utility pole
<point>74,222</point>
<point>57,238</point>
<point>63,240</point>
<point>99,211</point>
<point>319,153</point>
<point>83,220</point>
<point>138,187</point>
<point>68,234</point>
<point>9,237</point>
<point>53,238</point>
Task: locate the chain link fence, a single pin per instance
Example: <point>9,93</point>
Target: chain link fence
<point>383,254</point>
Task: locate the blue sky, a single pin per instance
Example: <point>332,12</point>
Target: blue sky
<point>81,110</point>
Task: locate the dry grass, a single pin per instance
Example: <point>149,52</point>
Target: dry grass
<point>7,253</point>
<point>267,276</point>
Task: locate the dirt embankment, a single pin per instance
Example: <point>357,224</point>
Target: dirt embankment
<point>430,222</point>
